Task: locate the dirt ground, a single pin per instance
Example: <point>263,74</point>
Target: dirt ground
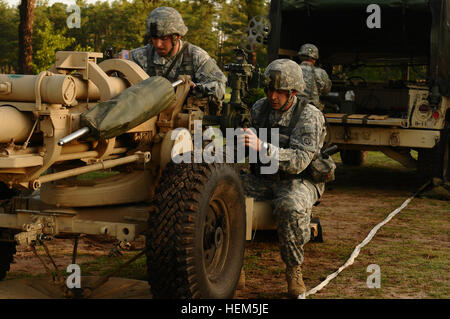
<point>412,250</point>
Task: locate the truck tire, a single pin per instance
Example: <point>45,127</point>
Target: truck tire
<point>7,251</point>
<point>196,236</point>
<point>435,162</point>
<point>353,157</point>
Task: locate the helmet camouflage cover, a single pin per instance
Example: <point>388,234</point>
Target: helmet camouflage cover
<point>309,50</point>
<point>284,74</point>
<point>164,21</point>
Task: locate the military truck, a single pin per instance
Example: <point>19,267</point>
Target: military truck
<point>403,112</point>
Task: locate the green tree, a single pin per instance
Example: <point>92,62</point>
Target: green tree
<point>26,11</point>
<point>233,23</point>
<point>216,26</point>
<point>47,43</point>
<point>9,22</point>
<point>199,16</point>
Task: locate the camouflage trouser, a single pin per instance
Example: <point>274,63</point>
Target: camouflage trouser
<point>292,202</point>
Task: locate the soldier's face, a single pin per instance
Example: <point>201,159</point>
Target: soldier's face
<point>277,98</point>
<point>163,45</point>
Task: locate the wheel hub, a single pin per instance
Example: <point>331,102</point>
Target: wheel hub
<point>218,238</point>
<point>215,238</point>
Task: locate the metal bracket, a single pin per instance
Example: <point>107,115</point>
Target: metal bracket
<point>41,229</point>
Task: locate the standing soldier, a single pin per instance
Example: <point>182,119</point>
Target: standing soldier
<point>317,81</point>
<point>167,55</point>
<point>291,190</point>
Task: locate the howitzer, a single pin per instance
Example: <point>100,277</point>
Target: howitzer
<point>82,117</point>
<point>37,112</point>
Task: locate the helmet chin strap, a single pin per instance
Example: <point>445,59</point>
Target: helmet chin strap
<point>174,42</point>
<point>288,102</point>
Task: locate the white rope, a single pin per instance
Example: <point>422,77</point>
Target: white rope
<point>357,250</point>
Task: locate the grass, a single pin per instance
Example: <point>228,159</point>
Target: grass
<point>105,264</point>
<point>96,175</point>
<point>227,95</point>
<point>412,250</point>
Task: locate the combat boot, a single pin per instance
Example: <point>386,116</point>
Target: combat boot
<point>294,279</point>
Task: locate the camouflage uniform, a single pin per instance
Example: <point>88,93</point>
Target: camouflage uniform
<point>317,81</point>
<point>194,61</point>
<point>292,194</point>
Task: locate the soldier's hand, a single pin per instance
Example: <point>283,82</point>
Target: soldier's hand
<point>192,84</point>
<point>250,139</point>
<point>197,90</point>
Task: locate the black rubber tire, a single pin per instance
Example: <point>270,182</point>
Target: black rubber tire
<point>7,251</point>
<point>186,200</point>
<point>353,157</point>
<point>435,162</point>
<point>6,192</point>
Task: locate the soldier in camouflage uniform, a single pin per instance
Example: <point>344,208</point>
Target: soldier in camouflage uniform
<point>164,28</point>
<point>291,191</point>
<point>317,81</point>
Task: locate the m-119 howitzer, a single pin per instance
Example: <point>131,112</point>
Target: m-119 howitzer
<point>39,111</point>
<point>82,116</point>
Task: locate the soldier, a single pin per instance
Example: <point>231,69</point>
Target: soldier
<point>167,55</point>
<point>291,191</point>
<point>317,81</point>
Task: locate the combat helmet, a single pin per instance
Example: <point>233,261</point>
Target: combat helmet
<point>284,74</point>
<point>164,21</point>
<point>309,50</point>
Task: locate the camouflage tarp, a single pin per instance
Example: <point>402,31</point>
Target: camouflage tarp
<point>130,108</point>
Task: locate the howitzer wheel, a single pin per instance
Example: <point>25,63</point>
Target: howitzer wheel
<point>7,251</point>
<point>196,239</point>
<point>6,192</point>
<point>7,246</point>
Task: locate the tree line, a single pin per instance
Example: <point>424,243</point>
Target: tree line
<point>31,33</point>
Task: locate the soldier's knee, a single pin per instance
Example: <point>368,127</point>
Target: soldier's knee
<point>293,226</point>
<point>291,215</point>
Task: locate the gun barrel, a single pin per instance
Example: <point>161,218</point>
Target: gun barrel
<point>14,125</point>
<point>176,83</point>
<point>73,136</point>
<point>54,89</point>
